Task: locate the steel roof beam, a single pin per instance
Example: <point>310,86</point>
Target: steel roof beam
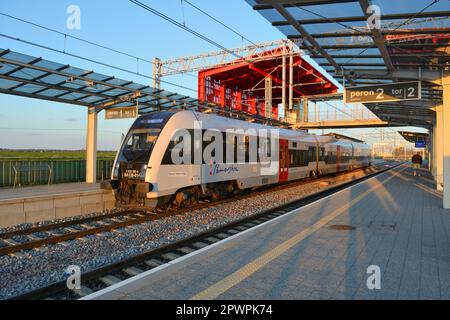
<point>408,114</point>
<point>63,82</point>
<point>377,79</point>
<point>426,75</point>
<point>405,110</point>
<point>364,46</point>
<point>30,95</point>
<point>404,116</point>
<point>350,56</point>
<point>384,32</point>
<point>54,87</point>
<point>377,37</point>
<point>363,64</point>
<point>40,77</point>
<point>407,122</point>
<point>406,107</point>
<point>313,42</point>
<point>396,16</point>
<point>20,68</point>
<point>301,3</point>
<point>401,104</point>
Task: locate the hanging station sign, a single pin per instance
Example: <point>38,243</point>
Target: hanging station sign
<point>384,92</point>
<point>121,113</point>
<point>420,144</point>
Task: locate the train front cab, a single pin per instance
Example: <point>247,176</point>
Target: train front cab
<point>131,168</point>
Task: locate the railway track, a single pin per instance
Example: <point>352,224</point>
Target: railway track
<point>36,237</point>
<point>101,278</point>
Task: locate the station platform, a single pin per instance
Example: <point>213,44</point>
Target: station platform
<point>394,221</point>
<point>49,202</point>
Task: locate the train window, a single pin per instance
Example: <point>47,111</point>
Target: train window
<point>295,159</point>
<point>247,148</point>
<point>235,148</point>
<point>299,158</point>
<point>258,149</point>
<point>139,144</point>
<point>322,154</point>
<point>331,158</point>
<point>304,158</point>
<point>312,154</point>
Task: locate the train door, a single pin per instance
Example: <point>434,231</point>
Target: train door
<point>284,161</point>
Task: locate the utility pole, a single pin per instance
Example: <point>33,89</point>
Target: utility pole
<point>157,69</point>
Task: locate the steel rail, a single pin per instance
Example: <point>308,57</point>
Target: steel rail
<point>93,280</point>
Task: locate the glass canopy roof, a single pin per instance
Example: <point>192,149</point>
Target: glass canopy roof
<point>33,77</point>
<point>412,35</point>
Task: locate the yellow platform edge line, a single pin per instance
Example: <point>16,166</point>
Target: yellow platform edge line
<point>233,279</point>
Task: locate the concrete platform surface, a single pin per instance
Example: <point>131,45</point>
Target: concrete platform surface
<point>43,203</point>
<point>400,230</point>
<point>45,190</point>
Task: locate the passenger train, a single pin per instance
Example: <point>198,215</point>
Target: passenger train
<point>215,157</point>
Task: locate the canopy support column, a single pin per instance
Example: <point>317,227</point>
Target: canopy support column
<point>446,136</point>
<point>91,146</point>
<point>439,147</point>
<point>432,152</point>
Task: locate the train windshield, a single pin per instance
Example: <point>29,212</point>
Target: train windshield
<point>139,144</point>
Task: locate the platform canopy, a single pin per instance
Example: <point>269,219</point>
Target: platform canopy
<point>414,136</point>
<point>410,43</point>
<point>32,77</point>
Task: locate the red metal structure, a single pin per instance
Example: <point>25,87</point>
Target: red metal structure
<point>240,85</point>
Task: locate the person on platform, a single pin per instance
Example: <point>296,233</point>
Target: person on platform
<point>416,162</point>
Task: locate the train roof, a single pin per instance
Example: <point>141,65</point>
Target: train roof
<point>214,121</point>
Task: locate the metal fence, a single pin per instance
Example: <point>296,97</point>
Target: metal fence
<point>58,171</point>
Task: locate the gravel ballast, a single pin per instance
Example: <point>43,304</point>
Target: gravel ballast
<point>32,269</point>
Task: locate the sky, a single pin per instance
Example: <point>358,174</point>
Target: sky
<point>120,24</point>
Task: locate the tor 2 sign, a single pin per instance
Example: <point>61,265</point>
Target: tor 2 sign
<point>384,92</point>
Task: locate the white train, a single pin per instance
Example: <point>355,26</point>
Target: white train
<point>179,157</point>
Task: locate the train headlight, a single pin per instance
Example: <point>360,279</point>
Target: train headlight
<point>115,174</point>
<point>143,171</point>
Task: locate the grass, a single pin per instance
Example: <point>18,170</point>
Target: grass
<point>44,155</point>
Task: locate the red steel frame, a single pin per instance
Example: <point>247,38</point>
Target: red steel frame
<point>240,85</point>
